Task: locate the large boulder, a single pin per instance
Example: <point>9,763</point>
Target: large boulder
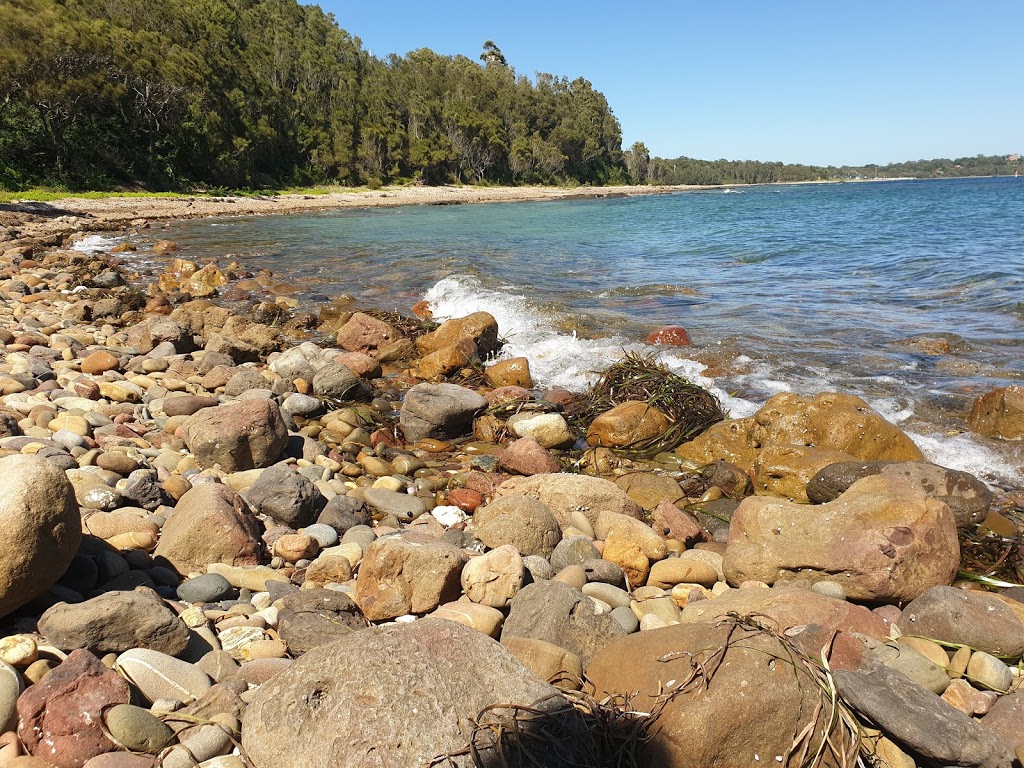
<point>41,528</point>
<point>883,539</point>
<point>407,573</point>
<point>967,497</point>
<point>738,695</point>
<point>115,622</point>
<point>563,494</point>
<point>439,410</point>
<point>985,622</point>
<point>210,524</point>
<point>244,435</point>
<point>523,522</point>
<point>784,470</point>
<point>480,327</point>
<point>999,413</point>
<point>337,382</point>
<point>827,420</point>
<point>366,334</point>
<point>286,496</point>
<point>562,615</point>
<point>403,695</point>
<point>61,716</point>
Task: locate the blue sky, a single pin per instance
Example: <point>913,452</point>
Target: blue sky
<point>816,82</point>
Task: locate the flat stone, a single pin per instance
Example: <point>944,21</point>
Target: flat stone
<point>137,729</point>
<point>159,676</point>
<point>982,621</point>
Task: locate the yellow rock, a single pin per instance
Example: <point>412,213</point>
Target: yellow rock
<point>626,424</point>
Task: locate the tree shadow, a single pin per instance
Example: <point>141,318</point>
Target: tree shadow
<point>43,210</point>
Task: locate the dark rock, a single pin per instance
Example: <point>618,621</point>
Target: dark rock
<point>574,550</point>
<point>338,382</point>
<point>440,411</point>
<point>243,435</point>
<point>208,588</point>
<point>344,512</point>
<point>966,495</point>
<point>286,496</point>
<point>314,617</point>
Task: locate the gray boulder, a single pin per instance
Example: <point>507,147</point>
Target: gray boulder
<point>402,695</point>
<point>439,410</point>
<point>247,434</point>
<point>286,496</point>
<point>338,382</point>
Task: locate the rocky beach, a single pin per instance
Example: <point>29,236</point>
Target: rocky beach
<point>241,534</point>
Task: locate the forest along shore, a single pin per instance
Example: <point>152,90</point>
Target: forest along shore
<point>226,546</point>
<point>48,223</point>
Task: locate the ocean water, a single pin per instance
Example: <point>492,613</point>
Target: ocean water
<point>801,288</point>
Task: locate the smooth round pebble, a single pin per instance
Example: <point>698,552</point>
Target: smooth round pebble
<point>159,676</point>
<point>324,534</point>
<point>208,588</point>
<point>137,729</point>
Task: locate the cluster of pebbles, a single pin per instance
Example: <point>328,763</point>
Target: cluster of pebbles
<point>225,546</point>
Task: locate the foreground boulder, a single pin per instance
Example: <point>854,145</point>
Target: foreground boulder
<point>287,496</point>
<point>747,713</point>
<point>883,539</point>
<point>480,327</point>
<point>985,622</point>
<point>828,420</point>
<point>967,497</point>
<point>407,573</point>
<point>440,411</point>
<point>210,524</point>
<point>402,695</point>
<point>41,528</point>
<point>247,434</point>
<point>999,413</point>
<point>61,716</point>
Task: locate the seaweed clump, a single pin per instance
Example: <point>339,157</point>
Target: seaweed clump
<point>690,409</point>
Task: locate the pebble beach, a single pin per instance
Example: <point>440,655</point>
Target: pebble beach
<point>244,534</point>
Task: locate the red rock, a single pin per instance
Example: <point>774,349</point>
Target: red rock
<point>422,310</point>
<point>673,523</point>
<point>506,394</point>
<point>465,499</point>
<point>379,436</point>
<point>361,365</point>
<point>670,335</point>
<point>366,334</point>
<point>159,305</point>
<point>60,715</point>
<point>99,362</point>
<point>559,396</point>
<point>527,457</point>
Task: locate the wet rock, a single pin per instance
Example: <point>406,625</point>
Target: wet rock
<point>627,424</point>
<point>480,327</point>
<point>513,372</point>
<point>785,470</point>
<point>60,716</point>
<point>115,622</point>
<point>999,413</point>
<point>400,695</point>
<point>670,335</point>
<point>238,436</point>
<point>42,528</point>
<point>407,573</point>
<point>439,411</point>
<point>883,539</point>
<point>828,420</point>
<point>562,615</point>
<point>966,495</point>
<point>447,360</point>
<point>548,429</point>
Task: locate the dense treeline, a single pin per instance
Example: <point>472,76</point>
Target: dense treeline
<point>685,170</point>
<point>250,93</point>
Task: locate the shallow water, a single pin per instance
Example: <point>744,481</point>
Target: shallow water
<point>802,288</point>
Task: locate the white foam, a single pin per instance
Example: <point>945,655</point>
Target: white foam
<point>95,243</point>
<point>557,360</point>
<point>964,453</point>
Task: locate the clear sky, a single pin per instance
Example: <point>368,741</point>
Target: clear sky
<point>817,82</point>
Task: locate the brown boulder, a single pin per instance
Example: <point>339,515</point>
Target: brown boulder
<point>827,420</point>
<point>61,715</point>
<point>210,524</point>
<point>563,494</point>
<point>480,327</point>
<point>447,360</point>
<point>741,706</point>
<point>999,413</point>
<point>626,424</point>
<point>670,335</point>
<point>366,334</point>
<point>247,434</point>
<point>883,539</point>
<point>648,489</point>
<point>983,621</point>
<point>527,457</point>
<point>407,573</point>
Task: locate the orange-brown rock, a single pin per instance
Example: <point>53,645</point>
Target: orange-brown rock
<point>363,333</point>
<point>785,470</point>
<point>999,413</point>
<point>827,420</point>
<point>165,246</point>
<point>670,335</point>
<point>480,327</point>
<point>514,372</point>
<point>884,539</point>
<point>206,281</point>
<point>447,360</point>
<point>99,362</point>
<point>648,489</point>
<point>626,424</point>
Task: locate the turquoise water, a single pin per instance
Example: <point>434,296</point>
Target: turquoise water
<point>803,288</point>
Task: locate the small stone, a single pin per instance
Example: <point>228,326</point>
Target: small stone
<point>136,729</point>
<point>19,650</point>
<point>238,640</point>
<point>667,573</point>
<point>159,676</point>
<point>482,618</point>
<point>99,362</point>
<point>494,578</point>
<point>986,671</point>
<point>207,588</point>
